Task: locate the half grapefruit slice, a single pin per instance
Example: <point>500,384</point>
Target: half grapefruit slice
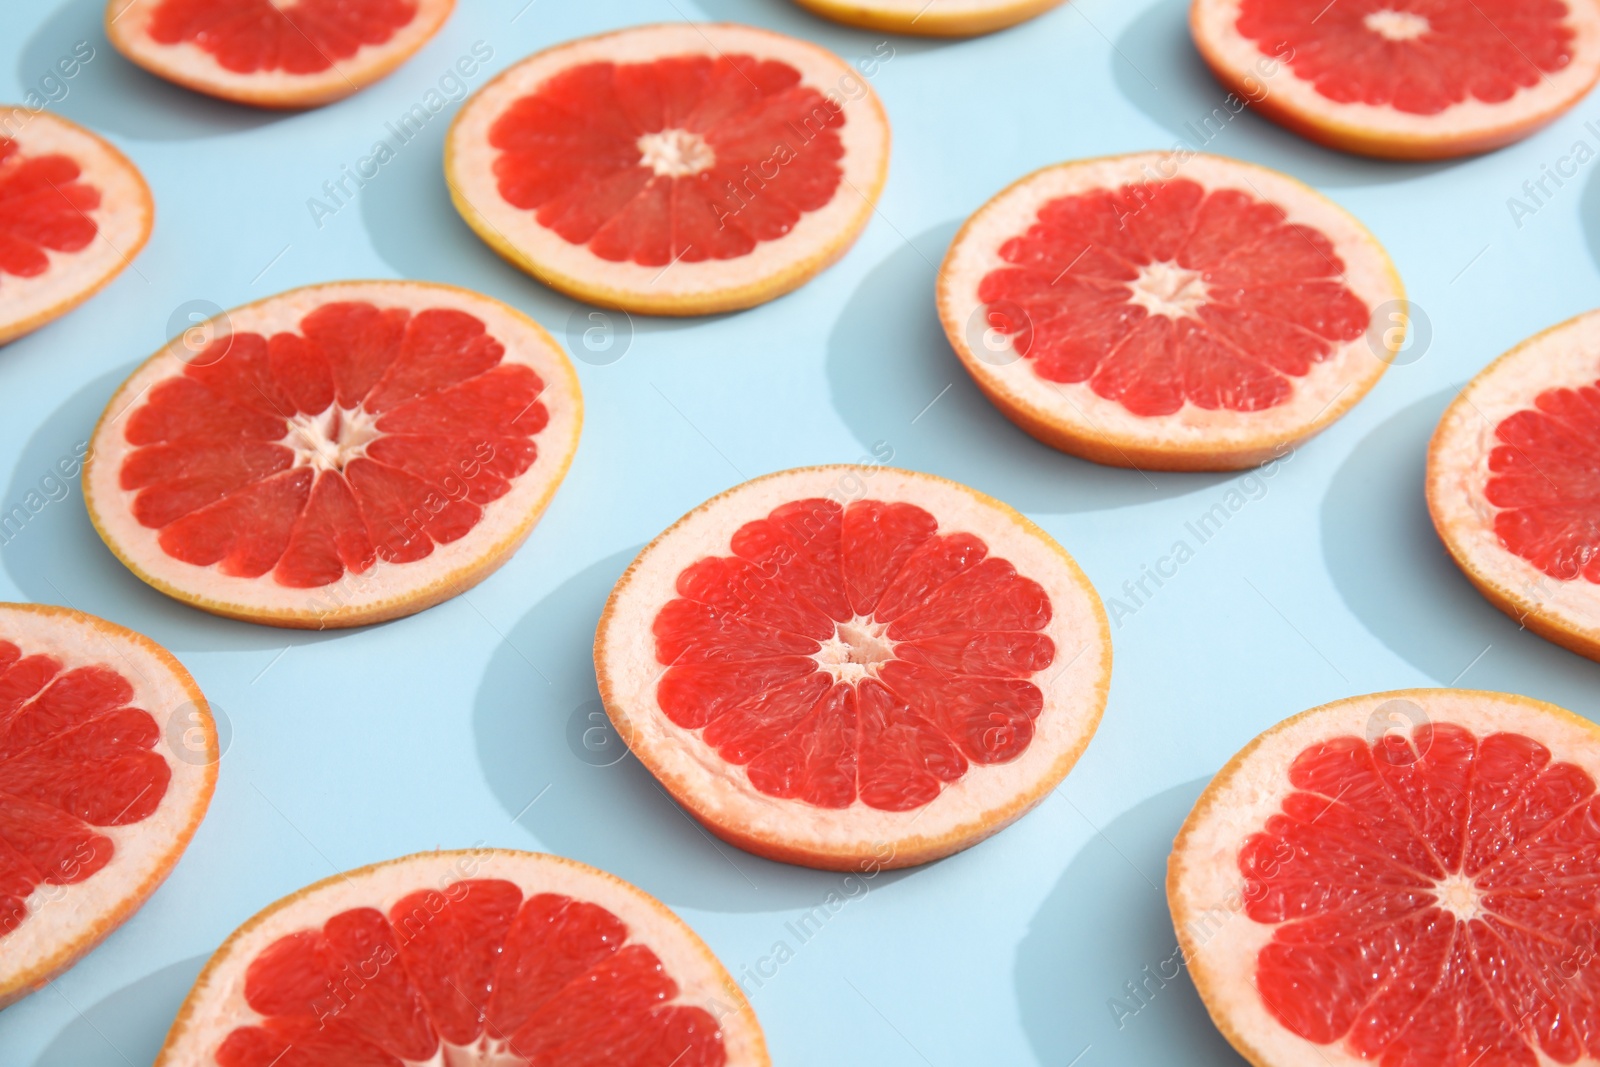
<point>480,957</point>
<point>1402,878</point>
<point>273,53</point>
<point>930,18</point>
<point>335,455</point>
<point>108,757</point>
<point>1514,483</point>
<point>73,213</point>
<point>1404,79</point>
<point>673,170</point>
<point>1178,313</point>
<point>850,667</point>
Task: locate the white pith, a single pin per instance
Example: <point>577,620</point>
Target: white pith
<point>186,63</point>
<point>1073,686</point>
<point>676,153</point>
<point>469,165</point>
<point>122,221</point>
<point>1220,941</point>
<point>64,921</point>
<point>331,440</point>
<point>1394,25</point>
<point>1459,896</point>
<point>1214,23</point>
<point>1164,288</point>
<point>453,566</point>
<point>856,650</point>
<point>1317,397</point>
<point>217,1005</point>
<point>1564,357</point>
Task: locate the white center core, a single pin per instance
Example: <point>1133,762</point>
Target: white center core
<point>1397,25</point>
<point>328,441</point>
<point>1459,897</point>
<point>675,153</point>
<point>856,650</point>
<point>1168,289</point>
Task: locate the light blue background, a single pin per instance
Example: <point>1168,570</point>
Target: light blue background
<point>438,730</point>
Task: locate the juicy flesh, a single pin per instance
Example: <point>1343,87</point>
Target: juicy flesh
<point>1416,56</point>
<point>1165,293</point>
<point>44,207</point>
<point>372,434</point>
<point>292,37</point>
<point>854,653</point>
<point>1545,481</point>
<point>476,974</point>
<point>682,159</point>
<point>1435,899</point>
<point>74,755</point>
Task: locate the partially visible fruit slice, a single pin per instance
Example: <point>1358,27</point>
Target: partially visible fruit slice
<point>73,213</point>
<point>1514,483</point>
<point>673,170</point>
<point>1404,79</point>
<point>854,666</point>
<point>1174,313</point>
<point>484,957</point>
<point>108,757</point>
<point>335,455</point>
<point>1402,878</point>
<point>273,53</point>
<point>930,18</point>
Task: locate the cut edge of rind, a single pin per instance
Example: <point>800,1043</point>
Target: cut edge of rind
<point>972,23</point>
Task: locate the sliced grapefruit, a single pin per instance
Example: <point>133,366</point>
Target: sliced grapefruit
<point>854,666</point>
<point>1180,313</point>
<point>484,957</point>
<point>673,170</point>
<point>273,53</point>
<point>73,213</point>
<point>1404,79</point>
<point>108,757</point>
<point>1403,878</point>
<point>1514,483</point>
<point>930,18</point>
<point>335,455</point>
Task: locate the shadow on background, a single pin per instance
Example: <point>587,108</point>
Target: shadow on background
<point>534,711</point>
<point>895,379</point>
<point>1159,71</point>
<point>126,1027</point>
<point>111,95</point>
<point>1589,216</point>
<point>1072,964</point>
<point>56,557</point>
<point>1388,564</point>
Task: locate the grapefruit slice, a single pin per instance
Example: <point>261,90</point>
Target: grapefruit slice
<point>73,213</point>
<point>847,667</point>
<point>108,757</point>
<point>273,53</point>
<point>335,455</point>
<point>1514,483</point>
<point>1403,878</point>
<point>673,170</point>
<point>930,18</point>
<point>1179,314</point>
<point>483,957</point>
<point>1404,79</point>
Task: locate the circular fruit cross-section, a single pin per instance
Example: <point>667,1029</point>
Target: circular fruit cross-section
<point>335,455</point>
<point>1404,79</point>
<point>73,213</point>
<point>672,170</point>
<point>1143,311</point>
<point>930,18</point>
<point>850,667</point>
<point>1402,878</point>
<point>108,757</point>
<point>466,958</point>
<point>1514,483</point>
<point>273,53</point>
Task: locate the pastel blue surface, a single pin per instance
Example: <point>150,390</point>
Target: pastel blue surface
<point>452,728</point>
